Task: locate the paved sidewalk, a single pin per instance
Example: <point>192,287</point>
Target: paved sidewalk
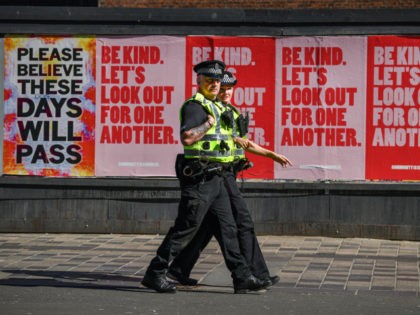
<point>118,262</point>
<point>301,262</point>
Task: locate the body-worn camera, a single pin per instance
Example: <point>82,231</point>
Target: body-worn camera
<point>243,122</point>
<point>227,118</point>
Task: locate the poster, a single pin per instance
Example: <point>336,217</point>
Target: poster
<point>140,91</point>
<point>320,107</point>
<point>1,102</point>
<point>393,108</point>
<point>49,108</point>
<point>339,107</point>
<point>251,60</point>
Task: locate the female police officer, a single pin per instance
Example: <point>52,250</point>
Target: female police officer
<point>184,262</point>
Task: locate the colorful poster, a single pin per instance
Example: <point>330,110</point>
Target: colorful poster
<point>320,107</point>
<point>252,61</point>
<point>1,103</point>
<point>140,90</point>
<point>49,106</point>
<point>393,108</point>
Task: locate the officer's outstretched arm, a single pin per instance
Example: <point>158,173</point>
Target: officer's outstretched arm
<point>193,135</point>
<point>254,148</point>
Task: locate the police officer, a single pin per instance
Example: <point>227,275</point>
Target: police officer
<point>184,262</point>
<point>207,147</point>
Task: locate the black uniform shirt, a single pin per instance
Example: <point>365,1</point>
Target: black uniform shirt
<point>193,115</point>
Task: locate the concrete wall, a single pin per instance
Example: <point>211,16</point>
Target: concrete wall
<point>230,22</point>
<point>262,4</point>
<point>116,205</point>
<point>126,205</point>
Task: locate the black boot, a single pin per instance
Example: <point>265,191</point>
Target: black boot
<point>270,281</point>
<point>250,283</point>
<point>159,284</point>
<point>184,280</point>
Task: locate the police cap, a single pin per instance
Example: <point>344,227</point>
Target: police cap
<point>228,79</point>
<point>210,68</point>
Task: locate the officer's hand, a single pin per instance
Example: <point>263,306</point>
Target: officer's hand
<point>210,120</point>
<point>281,159</point>
<point>243,143</point>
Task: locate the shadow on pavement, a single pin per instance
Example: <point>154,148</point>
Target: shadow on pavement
<point>74,279</point>
<point>92,280</point>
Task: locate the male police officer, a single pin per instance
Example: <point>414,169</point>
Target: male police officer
<point>207,148</point>
<point>182,265</point>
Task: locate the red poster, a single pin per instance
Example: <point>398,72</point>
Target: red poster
<point>252,61</point>
<point>392,110</point>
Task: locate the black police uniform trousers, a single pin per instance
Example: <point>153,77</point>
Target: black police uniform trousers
<point>250,249</point>
<point>208,195</point>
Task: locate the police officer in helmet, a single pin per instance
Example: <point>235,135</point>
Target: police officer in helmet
<point>201,170</point>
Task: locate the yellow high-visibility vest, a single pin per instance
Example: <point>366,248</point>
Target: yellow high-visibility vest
<point>217,144</point>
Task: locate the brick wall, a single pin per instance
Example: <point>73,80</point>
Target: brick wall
<point>263,4</point>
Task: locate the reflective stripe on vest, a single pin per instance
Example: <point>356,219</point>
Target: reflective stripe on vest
<point>207,153</point>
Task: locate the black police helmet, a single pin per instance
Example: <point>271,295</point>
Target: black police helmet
<point>210,68</point>
<point>228,79</point>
